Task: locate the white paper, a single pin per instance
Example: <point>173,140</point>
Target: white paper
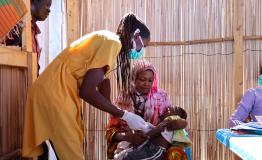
<point>259,119</point>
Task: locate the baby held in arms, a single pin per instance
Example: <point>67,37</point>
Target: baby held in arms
<point>161,137</point>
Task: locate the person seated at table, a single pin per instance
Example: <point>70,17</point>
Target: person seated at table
<point>160,140</point>
<point>250,105</point>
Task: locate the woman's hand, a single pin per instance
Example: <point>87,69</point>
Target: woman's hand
<point>176,124</point>
<point>134,121</point>
<point>134,137</point>
<point>157,130</point>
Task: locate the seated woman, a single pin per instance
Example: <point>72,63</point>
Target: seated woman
<point>144,99</point>
<point>249,107</point>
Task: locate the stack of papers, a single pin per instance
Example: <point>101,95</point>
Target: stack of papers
<point>259,119</point>
<point>249,128</point>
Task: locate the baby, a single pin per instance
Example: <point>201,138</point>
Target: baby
<point>160,139</point>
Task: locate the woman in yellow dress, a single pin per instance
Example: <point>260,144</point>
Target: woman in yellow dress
<point>53,106</point>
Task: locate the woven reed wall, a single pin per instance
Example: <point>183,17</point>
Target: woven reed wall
<point>17,71</point>
<point>253,48</point>
<point>200,81</point>
<point>13,87</point>
<point>198,77</point>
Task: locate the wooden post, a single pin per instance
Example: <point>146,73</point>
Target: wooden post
<point>27,46</point>
<point>238,48</point>
<point>12,56</point>
<point>32,67</point>
<point>238,14</point>
<point>73,20</point>
<point>26,37</point>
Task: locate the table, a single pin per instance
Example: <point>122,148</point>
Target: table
<point>246,146</point>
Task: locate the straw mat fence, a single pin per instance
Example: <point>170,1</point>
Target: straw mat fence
<point>197,47</point>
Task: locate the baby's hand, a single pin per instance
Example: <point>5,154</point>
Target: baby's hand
<point>162,125</point>
<point>168,112</point>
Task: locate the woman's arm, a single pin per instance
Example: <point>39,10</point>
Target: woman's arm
<point>170,125</point>
<point>176,124</point>
<point>105,88</point>
<point>134,137</point>
<point>157,130</point>
<point>89,92</point>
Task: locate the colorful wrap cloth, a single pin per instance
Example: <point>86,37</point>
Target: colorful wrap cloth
<point>11,11</point>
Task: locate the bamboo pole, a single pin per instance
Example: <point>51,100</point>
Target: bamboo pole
<point>238,48</point>
<point>238,10</point>
<point>204,41</point>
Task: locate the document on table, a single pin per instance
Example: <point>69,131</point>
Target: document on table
<point>250,128</point>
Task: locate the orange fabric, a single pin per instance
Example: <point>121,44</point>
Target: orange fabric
<point>111,144</point>
<point>175,153</point>
<point>11,11</point>
<point>8,17</point>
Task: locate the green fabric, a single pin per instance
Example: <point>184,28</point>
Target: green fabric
<point>179,136</point>
<point>4,2</point>
<point>18,9</point>
<point>13,3</point>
